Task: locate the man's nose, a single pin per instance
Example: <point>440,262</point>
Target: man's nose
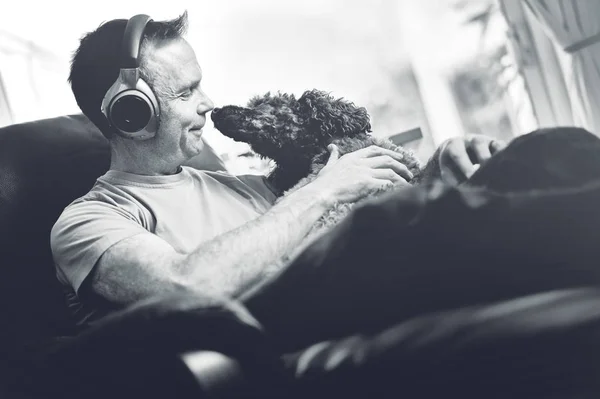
<point>206,105</point>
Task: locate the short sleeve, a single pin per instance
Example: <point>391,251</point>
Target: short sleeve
<point>83,232</point>
<point>261,185</point>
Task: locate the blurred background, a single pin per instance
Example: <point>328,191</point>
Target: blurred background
<point>426,70</point>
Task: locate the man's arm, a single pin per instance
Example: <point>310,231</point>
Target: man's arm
<point>144,264</point>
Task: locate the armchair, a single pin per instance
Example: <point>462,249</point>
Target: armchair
<point>536,346</point>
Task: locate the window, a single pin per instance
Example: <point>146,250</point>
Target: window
<point>470,79</point>
<point>33,82</point>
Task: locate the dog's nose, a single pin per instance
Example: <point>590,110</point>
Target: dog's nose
<point>216,110</point>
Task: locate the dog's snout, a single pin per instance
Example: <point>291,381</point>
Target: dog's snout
<point>215,113</point>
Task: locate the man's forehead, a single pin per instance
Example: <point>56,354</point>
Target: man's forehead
<point>175,63</point>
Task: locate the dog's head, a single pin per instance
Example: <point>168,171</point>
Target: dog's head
<point>292,131</point>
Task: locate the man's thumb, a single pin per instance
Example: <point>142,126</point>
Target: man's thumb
<point>334,153</point>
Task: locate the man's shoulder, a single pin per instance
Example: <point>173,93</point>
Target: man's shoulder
<point>226,177</point>
<point>204,172</point>
<point>256,183</point>
<point>98,195</point>
<point>102,201</point>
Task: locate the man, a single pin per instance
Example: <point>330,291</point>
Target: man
<point>150,226</point>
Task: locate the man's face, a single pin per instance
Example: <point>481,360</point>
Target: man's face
<point>176,77</point>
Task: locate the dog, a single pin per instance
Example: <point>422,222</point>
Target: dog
<point>295,133</point>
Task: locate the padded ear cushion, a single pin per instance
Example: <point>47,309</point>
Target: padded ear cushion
<point>135,352</point>
<point>132,112</point>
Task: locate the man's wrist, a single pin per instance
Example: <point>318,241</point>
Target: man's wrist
<point>322,195</point>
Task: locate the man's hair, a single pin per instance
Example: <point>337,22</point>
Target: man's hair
<point>96,62</point>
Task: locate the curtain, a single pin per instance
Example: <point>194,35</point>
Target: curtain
<point>6,117</point>
<point>574,25</point>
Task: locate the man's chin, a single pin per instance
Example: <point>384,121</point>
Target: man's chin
<point>197,132</point>
<point>199,145</point>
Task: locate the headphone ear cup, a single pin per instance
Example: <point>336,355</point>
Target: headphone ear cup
<point>132,112</point>
<point>129,104</point>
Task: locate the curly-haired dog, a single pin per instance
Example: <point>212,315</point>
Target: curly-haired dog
<point>295,134</point>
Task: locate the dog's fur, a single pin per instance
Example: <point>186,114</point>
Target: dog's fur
<point>295,133</point>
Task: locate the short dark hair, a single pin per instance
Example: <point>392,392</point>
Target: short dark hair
<point>95,63</point>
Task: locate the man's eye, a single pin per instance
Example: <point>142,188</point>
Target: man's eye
<point>185,95</point>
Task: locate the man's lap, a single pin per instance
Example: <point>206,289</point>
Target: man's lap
<point>431,248</point>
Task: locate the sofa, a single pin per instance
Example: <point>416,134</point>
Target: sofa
<point>541,345</point>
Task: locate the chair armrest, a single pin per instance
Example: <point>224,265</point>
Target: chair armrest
<point>183,344</point>
<point>534,347</point>
<point>218,375</point>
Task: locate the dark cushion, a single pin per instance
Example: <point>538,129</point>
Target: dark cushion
<point>540,346</point>
<point>431,248</point>
<point>44,165</point>
<point>544,159</point>
<point>134,353</point>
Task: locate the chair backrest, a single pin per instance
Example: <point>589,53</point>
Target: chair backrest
<point>44,165</point>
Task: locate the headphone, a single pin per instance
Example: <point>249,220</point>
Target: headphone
<point>129,104</point>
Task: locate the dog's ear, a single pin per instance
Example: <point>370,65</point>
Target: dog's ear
<point>257,100</point>
<point>272,103</point>
<point>333,117</point>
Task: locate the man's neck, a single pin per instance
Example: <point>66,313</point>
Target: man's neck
<point>146,165</point>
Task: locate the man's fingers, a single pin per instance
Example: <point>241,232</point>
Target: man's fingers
<point>334,154</point>
<point>481,151</point>
<point>450,176</point>
<point>482,148</point>
<point>456,158</point>
<point>496,145</point>
<point>387,162</point>
<point>388,175</point>
<point>459,157</point>
<point>376,151</point>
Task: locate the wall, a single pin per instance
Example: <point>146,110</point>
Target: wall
<point>246,47</point>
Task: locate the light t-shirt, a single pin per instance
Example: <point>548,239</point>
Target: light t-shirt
<point>184,209</point>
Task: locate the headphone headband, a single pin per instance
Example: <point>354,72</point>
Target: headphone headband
<point>129,104</point>
<point>132,40</point>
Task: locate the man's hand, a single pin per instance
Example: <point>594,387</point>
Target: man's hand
<point>460,157</point>
<point>357,174</point>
